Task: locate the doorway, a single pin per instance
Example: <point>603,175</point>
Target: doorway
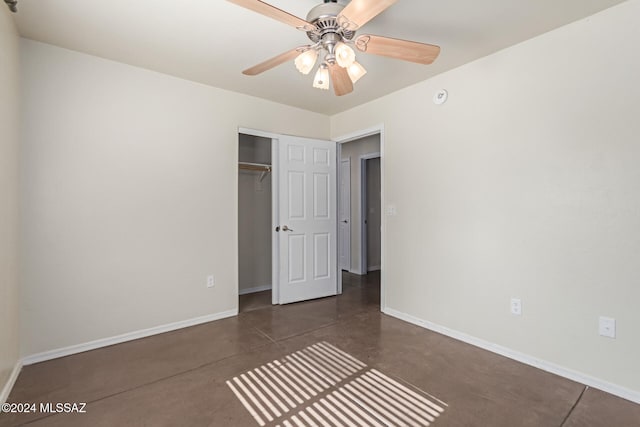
<point>371,219</point>
<point>353,206</point>
<point>365,151</point>
<point>291,197</point>
<point>254,220</point>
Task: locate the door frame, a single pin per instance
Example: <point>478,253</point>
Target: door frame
<point>364,262</point>
<point>374,130</point>
<point>275,262</point>
<point>275,213</point>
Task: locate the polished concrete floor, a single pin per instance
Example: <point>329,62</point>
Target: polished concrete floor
<point>181,378</point>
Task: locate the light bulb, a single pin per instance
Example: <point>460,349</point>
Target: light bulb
<point>321,80</point>
<point>356,71</point>
<point>345,56</point>
<point>306,60</point>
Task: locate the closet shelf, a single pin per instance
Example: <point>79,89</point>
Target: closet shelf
<point>259,167</point>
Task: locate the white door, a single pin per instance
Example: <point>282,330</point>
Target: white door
<point>344,216</point>
<point>308,226</point>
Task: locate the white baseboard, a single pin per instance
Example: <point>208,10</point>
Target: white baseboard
<point>374,268</point>
<point>358,272</point>
<point>255,289</point>
<point>625,393</point>
<point>104,342</point>
<point>6,390</point>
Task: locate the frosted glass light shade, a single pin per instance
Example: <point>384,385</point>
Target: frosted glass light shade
<point>321,80</point>
<point>356,71</point>
<point>306,60</point>
<point>345,56</point>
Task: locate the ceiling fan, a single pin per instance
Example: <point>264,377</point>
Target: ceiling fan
<point>332,27</point>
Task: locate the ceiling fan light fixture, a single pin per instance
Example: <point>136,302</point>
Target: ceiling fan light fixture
<point>345,56</point>
<point>356,71</point>
<point>331,27</point>
<point>321,80</point>
<point>306,61</point>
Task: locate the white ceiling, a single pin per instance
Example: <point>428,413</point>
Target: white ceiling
<point>212,41</point>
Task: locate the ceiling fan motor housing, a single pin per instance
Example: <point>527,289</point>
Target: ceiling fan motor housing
<point>325,17</point>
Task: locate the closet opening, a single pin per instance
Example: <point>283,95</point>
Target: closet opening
<point>254,222</point>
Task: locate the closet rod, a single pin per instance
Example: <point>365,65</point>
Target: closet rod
<point>254,166</point>
<point>265,169</point>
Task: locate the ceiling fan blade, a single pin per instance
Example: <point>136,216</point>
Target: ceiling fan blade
<point>359,12</point>
<point>275,13</point>
<point>271,63</point>
<point>405,50</point>
<point>340,79</point>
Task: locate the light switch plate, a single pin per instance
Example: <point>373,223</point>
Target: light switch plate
<point>607,327</point>
<point>516,306</point>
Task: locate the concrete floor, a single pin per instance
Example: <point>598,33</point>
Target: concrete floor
<point>180,378</point>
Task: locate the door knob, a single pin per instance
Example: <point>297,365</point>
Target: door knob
<point>285,228</point>
<point>345,221</point>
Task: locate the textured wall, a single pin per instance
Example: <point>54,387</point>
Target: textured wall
<point>130,195</point>
<point>9,142</point>
<point>524,184</point>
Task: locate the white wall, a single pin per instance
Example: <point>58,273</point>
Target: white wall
<point>524,184</point>
<point>254,216</point>
<point>130,195</point>
<point>9,141</point>
<point>353,150</point>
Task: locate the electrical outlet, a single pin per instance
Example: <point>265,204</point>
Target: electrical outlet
<point>210,281</point>
<point>516,306</point>
<point>607,327</point>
